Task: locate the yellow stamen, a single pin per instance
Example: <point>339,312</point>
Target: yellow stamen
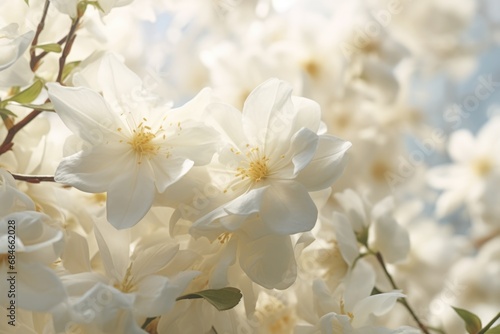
<point>126,285</point>
<point>142,144</point>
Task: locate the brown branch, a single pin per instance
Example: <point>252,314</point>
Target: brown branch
<point>67,48</point>
<point>36,59</point>
<point>478,243</point>
<point>39,28</point>
<point>33,178</point>
<point>7,143</point>
<point>70,38</point>
<point>403,301</point>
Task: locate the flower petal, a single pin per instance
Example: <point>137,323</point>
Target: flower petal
<point>304,144</point>
<point>38,287</point>
<point>267,110</point>
<point>446,176</point>
<point>449,201</point>
<point>327,164</point>
<point>85,113</point>
<point>120,86</point>
<point>354,209</point>
<point>376,305</point>
<point>13,50</point>
<point>227,120</point>
<point>269,261</point>
<point>156,294</point>
<point>287,208</point>
<point>308,114</point>
<point>152,259</point>
<point>130,196</point>
<point>332,323</point>
<point>196,142</point>
<point>359,284</point>
<point>346,238</point>
<point>94,169</point>
<point>389,238</point>
<point>114,248</point>
<point>170,170</point>
<point>461,145</point>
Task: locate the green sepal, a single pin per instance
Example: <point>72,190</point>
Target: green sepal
<point>96,5</point>
<point>45,107</point>
<point>6,113</point>
<point>68,68</point>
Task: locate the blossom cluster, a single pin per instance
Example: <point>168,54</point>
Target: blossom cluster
<point>232,166</point>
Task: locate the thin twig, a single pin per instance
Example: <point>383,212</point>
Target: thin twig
<point>67,48</point>
<point>70,38</point>
<point>36,59</point>
<point>7,142</point>
<point>491,323</point>
<point>39,29</point>
<point>380,259</point>
<point>478,243</point>
<point>33,178</point>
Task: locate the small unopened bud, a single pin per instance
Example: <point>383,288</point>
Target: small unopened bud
<point>81,8</point>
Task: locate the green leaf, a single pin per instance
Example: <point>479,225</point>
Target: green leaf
<point>45,107</point>
<point>494,330</point>
<point>222,299</point>
<point>472,322</point>
<point>6,112</point>
<point>68,68</point>
<point>29,94</point>
<point>27,2</point>
<point>52,47</point>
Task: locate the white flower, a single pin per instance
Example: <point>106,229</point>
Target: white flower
<point>474,172</point>
<point>349,309</point>
<point>132,147</point>
<point>372,226</point>
<point>332,323</point>
<point>36,246</point>
<point>14,69</point>
<point>129,289</point>
<point>69,7</point>
<point>273,158</point>
<point>13,45</point>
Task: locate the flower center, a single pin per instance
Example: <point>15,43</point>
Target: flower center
<point>482,166</point>
<point>141,142</point>
<point>256,168</point>
<point>127,284</point>
<point>224,237</point>
<point>312,67</point>
<point>343,312</point>
<point>275,315</point>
